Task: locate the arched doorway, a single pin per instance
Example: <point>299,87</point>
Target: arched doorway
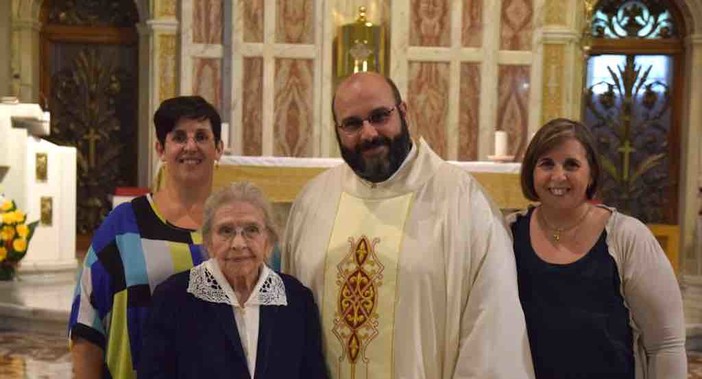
<point>88,79</point>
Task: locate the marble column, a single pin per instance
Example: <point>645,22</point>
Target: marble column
<point>690,182</point>
<point>25,44</point>
<point>562,61</point>
<point>157,77</point>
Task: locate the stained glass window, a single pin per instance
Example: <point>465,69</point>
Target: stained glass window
<point>649,19</point>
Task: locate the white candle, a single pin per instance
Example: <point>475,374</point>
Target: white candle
<point>500,143</point>
<point>46,117</point>
<point>225,135</point>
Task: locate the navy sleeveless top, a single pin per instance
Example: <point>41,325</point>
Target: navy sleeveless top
<point>575,315</point>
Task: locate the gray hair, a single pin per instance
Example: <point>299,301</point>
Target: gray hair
<point>239,191</point>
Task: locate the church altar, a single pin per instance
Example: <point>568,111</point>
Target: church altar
<point>41,178</point>
<point>281,178</point>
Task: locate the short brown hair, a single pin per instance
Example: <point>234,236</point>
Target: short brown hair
<point>551,135</point>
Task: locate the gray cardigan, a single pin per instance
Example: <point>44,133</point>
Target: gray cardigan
<point>652,295</point>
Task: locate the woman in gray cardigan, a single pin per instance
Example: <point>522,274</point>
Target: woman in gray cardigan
<point>599,295</point>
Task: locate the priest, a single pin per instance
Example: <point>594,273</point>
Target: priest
<point>408,258</point>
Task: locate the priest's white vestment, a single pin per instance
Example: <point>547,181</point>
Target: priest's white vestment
<point>414,277</point>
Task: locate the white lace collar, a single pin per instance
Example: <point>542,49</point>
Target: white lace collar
<point>208,283</point>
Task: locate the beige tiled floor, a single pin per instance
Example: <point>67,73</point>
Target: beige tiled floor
<point>38,356</point>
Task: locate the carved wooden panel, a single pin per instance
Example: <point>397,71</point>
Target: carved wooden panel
<point>120,13</point>
<point>93,104</point>
<point>628,108</point>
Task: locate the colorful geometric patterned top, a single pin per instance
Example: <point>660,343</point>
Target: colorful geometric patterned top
<point>132,252</point>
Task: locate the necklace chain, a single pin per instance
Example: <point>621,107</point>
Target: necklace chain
<point>556,231</point>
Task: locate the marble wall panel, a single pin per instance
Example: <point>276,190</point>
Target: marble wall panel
<point>428,91</point>
<point>293,112</point>
<point>552,87</point>
<point>295,21</point>
<point>556,12</point>
<point>207,21</point>
<point>512,106</point>
<point>166,66</point>
<point>472,28</point>
<point>430,23</point>
<point>207,80</point>
<point>253,20</point>
<point>252,106</point>
<point>516,24</point>
<point>468,113</point>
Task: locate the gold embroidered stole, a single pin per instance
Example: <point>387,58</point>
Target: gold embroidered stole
<point>358,306</point>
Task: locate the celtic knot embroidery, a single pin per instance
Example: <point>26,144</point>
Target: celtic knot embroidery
<point>359,276</point>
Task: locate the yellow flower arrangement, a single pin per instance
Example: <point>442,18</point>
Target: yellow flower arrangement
<point>15,234</point>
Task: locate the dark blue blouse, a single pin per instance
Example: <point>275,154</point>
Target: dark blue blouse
<point>576,319</point>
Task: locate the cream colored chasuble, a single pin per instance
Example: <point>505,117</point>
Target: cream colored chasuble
<point>358,305</point>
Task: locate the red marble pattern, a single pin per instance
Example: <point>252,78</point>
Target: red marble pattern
<point>253,20</point>
<point>430,23</point>
<point>207,80</point>
<point>293,108</point>
<point>468,113</point>
<point>512,106</point>
<point>207,21</point>
<point>428,103</point>
<point>516,28</point>
<point>295,21</point>
<point>252,106</point>
<point>472,28</point>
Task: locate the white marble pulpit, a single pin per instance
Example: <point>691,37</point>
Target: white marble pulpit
<point>52,186</point>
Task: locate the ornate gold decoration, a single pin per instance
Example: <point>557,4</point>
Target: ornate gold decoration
<point>91,98</point>
<point>94,12</point>
<point>554,57</point>
<point>166,66</point>
<point>630,117</point>
<point>555,12</point>
<point>47,210</point>
<point>165,8</point>
<point>359,276</point>
<point>41,169</point>
<point>360,47</point>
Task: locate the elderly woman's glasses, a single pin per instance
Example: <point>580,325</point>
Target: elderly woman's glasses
<point>248,232</point>
<point>180,137</point>
<point>378,117</point>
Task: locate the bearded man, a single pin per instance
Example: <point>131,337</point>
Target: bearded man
<point>409,260</point>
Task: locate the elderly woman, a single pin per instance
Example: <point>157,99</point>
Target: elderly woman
<point>599,295</point>
<point>143,242</point>
<point>232,316</point>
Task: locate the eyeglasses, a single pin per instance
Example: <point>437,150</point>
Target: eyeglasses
<point>248,232</point>
<point>180,137</point>
<point>378,117</point>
